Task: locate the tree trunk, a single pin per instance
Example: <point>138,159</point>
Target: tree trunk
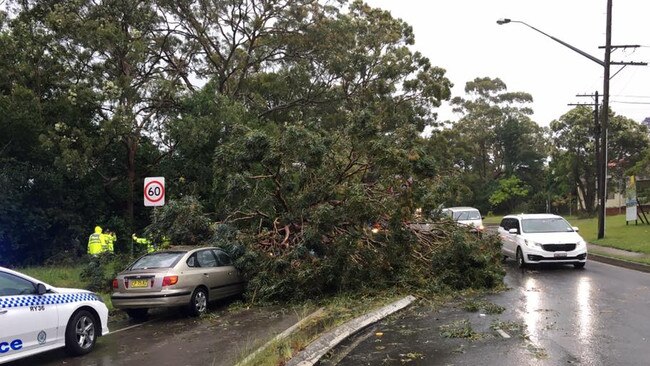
<point>131,148</point>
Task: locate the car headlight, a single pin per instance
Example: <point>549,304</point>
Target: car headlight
<point>581,243</point>
<point>531,243</point>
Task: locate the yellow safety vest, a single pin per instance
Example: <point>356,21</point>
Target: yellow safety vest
<point>145,241</point>
<point>111,245</point>
<point>95,244</point>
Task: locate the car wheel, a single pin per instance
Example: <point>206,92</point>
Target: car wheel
<point>198,302</point>
<point>520,259</point>
<point>579,265</point>
<point>137,314</point>
<point>81,333</point>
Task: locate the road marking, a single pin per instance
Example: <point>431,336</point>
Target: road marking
<point>503,334</point>
<point>130,327</point>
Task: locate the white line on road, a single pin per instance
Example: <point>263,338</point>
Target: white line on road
<point>502,333</point>
<point>130,327</point>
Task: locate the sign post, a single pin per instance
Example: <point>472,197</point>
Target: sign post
<point>154,191</point>
<point>630,200</point>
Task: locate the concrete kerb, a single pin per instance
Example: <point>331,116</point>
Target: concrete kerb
<point>317,349</point>
<point>281,336</point>
<point>618,262</point>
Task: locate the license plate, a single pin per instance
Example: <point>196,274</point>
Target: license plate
<point>139,283</point>
<point>556,255</point>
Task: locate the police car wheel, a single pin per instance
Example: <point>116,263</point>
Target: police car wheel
<point>137,314</point>
<point>199,302</point>
<point>81,333</point>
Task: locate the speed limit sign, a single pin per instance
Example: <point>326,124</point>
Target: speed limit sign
<point>154,191</point>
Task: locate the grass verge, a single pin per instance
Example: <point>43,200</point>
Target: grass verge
<point>492,220</point>
<point>635,238</point>
<point>64,276</point>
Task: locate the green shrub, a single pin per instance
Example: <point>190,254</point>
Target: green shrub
<point>98,272</point>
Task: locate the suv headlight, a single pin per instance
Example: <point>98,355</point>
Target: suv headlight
<point>531,243</point>
<point>581,243</point>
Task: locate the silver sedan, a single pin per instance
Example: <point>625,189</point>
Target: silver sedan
<point>189,277</point>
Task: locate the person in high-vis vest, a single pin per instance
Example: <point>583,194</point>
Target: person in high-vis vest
<point>144,241</point>
<point>110,241</point>
<point>96,242</point>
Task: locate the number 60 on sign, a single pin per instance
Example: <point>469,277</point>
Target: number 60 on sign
<point>154,191</point>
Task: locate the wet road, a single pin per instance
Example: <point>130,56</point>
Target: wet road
<point>220,338</point>
<point>554,315</point>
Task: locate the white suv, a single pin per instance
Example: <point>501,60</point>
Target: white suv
<point>466,216</point>
<point>541,238</point>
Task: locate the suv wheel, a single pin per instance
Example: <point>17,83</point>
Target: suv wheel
<point>520,259</point>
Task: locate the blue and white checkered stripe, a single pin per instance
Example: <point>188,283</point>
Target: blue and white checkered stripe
<point>48,299</point>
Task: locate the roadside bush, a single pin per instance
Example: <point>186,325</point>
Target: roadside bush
<point>99,271</point>
<point>93,273</point>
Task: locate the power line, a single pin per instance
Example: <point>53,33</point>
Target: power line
<point>631,96</point>
<point>624,102</point>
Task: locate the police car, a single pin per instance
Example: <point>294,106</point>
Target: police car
<point>36,317</point>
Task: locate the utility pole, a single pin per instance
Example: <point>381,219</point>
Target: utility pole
<point>604,128</point>
<point>596,135</point>
<point>602,178</point>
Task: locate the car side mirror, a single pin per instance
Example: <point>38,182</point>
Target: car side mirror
<point>513,231</point>
<point>40,289</point>
<point>575,228</point>
<point>482,217</point>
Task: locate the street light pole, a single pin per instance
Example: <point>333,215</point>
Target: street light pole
<point>602,178</point>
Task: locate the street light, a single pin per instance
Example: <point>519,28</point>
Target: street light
<point>602,172</point>
<point>592,58</point>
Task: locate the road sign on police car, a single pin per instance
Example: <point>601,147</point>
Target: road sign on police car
<point>154,191</point>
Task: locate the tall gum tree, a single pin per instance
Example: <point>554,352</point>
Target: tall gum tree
<point>497,136</point>
<point>122,51</point>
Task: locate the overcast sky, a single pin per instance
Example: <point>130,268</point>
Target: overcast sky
<point>462,36</point>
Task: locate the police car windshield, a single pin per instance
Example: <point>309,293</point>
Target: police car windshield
<point>157,260</point>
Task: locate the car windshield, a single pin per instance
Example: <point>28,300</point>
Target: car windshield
<point>157,260</point>
<point>467,215</point>
<point>549,225</point>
